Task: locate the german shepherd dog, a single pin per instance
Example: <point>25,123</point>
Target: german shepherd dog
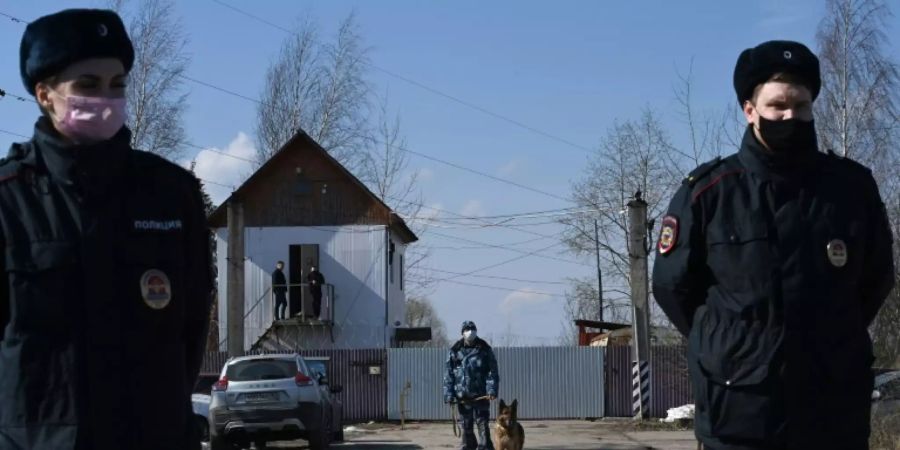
<point>508,432</point>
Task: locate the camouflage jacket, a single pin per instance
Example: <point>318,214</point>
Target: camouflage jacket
<point>471,371</point>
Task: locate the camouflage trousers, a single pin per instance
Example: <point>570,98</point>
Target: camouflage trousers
<point>475,417</point>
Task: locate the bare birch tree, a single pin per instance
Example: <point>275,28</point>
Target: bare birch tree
<point>857,116</point>
<point>321,88</point>
<point>634,156</point>
<point>156,97</point>
<point>385,168</point>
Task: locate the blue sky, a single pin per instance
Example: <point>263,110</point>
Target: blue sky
<point>569,69</point>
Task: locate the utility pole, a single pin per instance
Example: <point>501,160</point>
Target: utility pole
<point>599,273</point>
<point>640,287</point>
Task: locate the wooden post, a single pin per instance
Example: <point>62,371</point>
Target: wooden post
<point>235,308</point>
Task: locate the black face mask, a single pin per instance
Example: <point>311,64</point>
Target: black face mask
<point>789,138</point>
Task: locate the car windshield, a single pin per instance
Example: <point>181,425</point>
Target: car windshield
<point>261,369</point>
<point>317,366</point>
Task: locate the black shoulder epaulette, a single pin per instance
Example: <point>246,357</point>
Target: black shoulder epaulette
<point>701,171</point>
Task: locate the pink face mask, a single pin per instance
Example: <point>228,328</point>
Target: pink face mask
<point>92,119</point>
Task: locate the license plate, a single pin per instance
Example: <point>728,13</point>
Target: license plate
<point>260,397</point>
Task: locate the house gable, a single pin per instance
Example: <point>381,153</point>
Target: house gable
<point>302,185</point>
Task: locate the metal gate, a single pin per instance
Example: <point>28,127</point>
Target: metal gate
<point>549,382</point>
<point>670,384</point>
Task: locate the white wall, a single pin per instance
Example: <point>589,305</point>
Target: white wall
<point>350,257</point>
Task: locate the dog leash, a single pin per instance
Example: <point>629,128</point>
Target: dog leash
<point>453,417</point>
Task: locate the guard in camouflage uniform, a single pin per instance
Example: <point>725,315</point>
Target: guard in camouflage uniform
<point>471,380</point>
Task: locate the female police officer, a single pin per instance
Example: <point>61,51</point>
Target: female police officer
<point>104,308</point>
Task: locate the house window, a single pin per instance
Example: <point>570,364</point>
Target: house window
<point>401,272</point>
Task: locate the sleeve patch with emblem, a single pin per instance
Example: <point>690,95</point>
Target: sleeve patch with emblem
<point>668,236</point>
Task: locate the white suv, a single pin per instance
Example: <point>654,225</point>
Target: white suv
<point>271,398</point>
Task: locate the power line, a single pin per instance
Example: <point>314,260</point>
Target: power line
<point>432,208</point>
<point>444,225</point>
<point>215,183</point>
<point>518,215</point>
<point>464,247</point>
<point>429,88</point>
<point>222,90</point>
<point>473,171</point>
<point>17,97</point>
<point>485,245</point>
<point>14,134</point>
<point>232,187</point>
<point>397,147</point>
<point>534,253</point>
<point>251,161</point>
<point>501,263</point>
<point>499,288</point>
<point>499,277</point>
<point>481,247</point>
<point>406,150</point>
<point>186,143</point>
<point>14,19</point>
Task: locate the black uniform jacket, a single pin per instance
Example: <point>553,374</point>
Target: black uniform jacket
<point>774,268</point>
<point>279,282</point>
<point>104,304</point>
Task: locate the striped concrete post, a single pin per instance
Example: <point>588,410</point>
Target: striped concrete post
<point>640,376</point>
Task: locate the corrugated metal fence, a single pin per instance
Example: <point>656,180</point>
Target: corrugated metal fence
<point>549,382</point>
<point>669,382</point>
<point>360,372</point>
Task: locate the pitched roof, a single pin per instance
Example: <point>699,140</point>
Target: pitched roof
<point>396,222</point>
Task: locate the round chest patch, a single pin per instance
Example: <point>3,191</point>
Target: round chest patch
<point>156,289</point>
<point>837,253</point>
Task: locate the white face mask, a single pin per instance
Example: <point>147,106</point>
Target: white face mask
<point>470,335</point>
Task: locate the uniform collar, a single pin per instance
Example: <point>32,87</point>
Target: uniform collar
<point>95,167</point>
<point>767,164</point>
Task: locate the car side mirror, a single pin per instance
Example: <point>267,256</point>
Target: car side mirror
<point>337,389</point>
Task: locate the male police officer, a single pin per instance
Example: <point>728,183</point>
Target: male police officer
<point>471,380</point>
<point>279,288</point>
<point>774,261</point>
<point>106,280</point>
<point>316,280</point>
